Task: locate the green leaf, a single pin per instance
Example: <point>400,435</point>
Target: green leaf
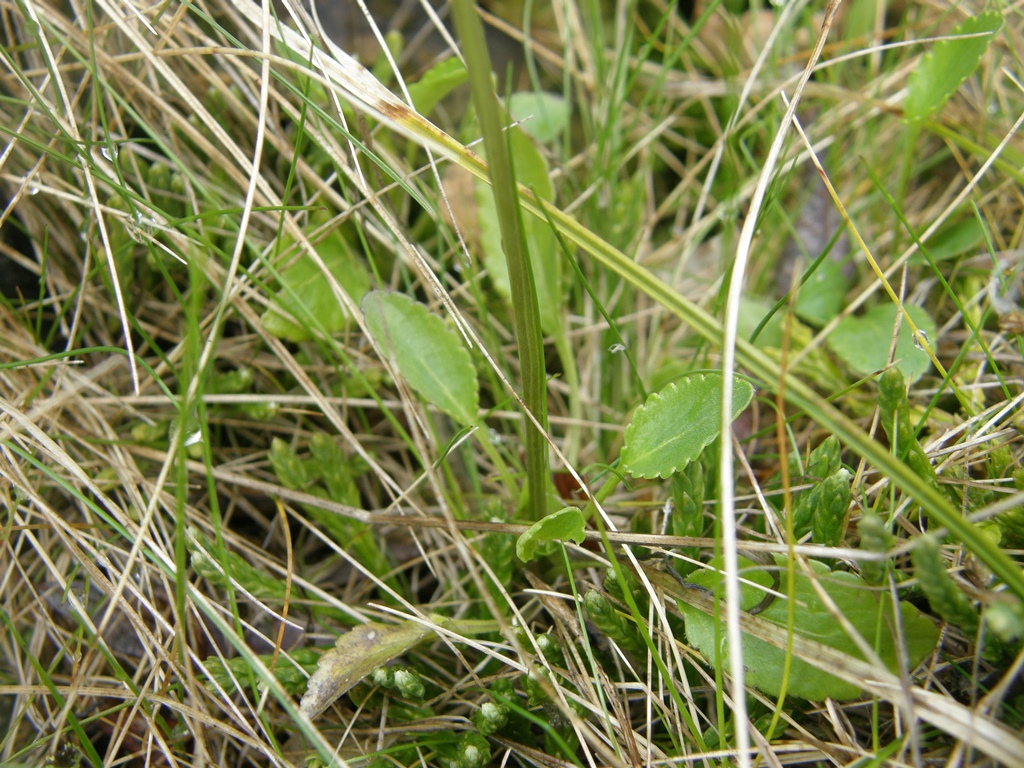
<point>674,425</point>
<point>864,608</point>
<point>543,114</point>
<point>306,300</point>
<point>863,342</point>
<point>966,236</point>
<point>436,83</point>
<point>821,297</point>
<point>948,64</point>
<point>532,172</point>
<point>566,524</point>
<point>428,354</point>
<point>752,312</point>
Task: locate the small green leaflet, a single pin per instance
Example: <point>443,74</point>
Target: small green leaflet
<point>672,428</point>
<point>544,115</point>
<point>426,352</point>
<point>566,524</point>
<point>436,83</point>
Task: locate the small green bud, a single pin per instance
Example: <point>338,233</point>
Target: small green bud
<point>824,460</point>
<point>615,626</point>
<point>1006,621</point>
<point>259,411</point>
<point>895,410</point>
<point>148,434</point>
<point>942,592</point>
<point>550,648</point>
<point>409,685</point>
<point>382,677</point>
<point>474,751</point>
<point>490,718</point>
<point>833,499</point>
<point>874,537</point>
<point>535,692</point>
<point>287,466</point>
<point>231,382</point>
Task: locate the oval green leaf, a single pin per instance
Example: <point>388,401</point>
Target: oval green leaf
<point>862,342</point>
<point>869,611</point>
<point>948,64</point>
<point>425,351</point>
<point>306,301</point>
<point>674,425</point>
<point>821,297</point>
<point>436,83</point>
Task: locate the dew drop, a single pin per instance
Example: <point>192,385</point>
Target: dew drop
<point>141,227</point>
<point>616,348</point>
<point>920,339</point>
<point>192,434</point>
<point>32,187</point>
<point>109,151</point>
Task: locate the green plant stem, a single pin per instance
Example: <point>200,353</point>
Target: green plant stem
<point>525,309</point>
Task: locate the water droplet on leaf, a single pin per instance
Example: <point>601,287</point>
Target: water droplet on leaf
<point>141,227</point>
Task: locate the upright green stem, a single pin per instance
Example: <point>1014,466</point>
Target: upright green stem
<point>525,310</point>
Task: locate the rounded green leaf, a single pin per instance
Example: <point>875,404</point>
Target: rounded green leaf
<point>674,425</point>
<point>532,172</point>
<point>862,342</point>
<point>821,297</point>
<point>566,524</point>
<point>426,352</point>
<point>436,83</point>
<point>544,115</point>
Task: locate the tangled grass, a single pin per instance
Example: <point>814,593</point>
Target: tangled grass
<point>210,470</point>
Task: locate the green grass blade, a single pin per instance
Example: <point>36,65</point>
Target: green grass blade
<point>526,312</point>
